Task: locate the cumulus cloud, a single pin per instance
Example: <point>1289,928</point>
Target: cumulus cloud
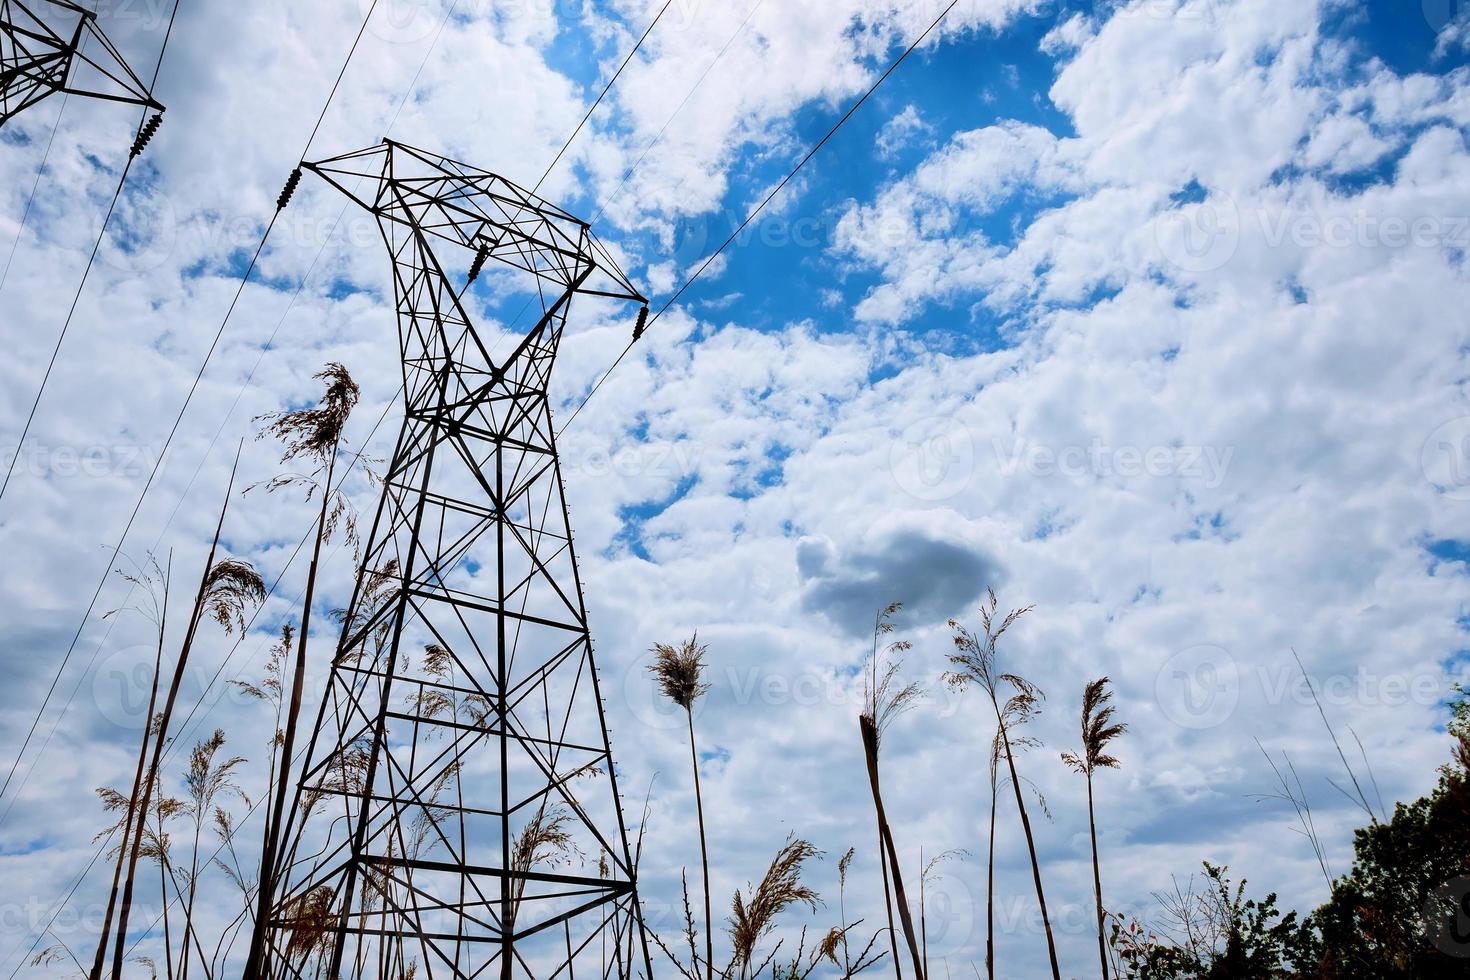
<point>935,578</point>
<point>1234,237</point>
<point>901,131</point>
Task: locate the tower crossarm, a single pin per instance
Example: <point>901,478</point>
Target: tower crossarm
<point>49,46</point>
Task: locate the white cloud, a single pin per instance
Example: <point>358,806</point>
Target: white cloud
<point>1314,363</point>
<point>901,131</point>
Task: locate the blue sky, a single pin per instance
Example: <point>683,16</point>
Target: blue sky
<point>1143,313</point>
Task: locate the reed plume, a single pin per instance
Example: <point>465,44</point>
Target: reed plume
<point>679,671</point>
<point>751,920</point>
<point>312,924</point>
<point>206,780</point>
<point>884,699</point>
<point>316,434</point>
<point>544,840</point>
<point>231,587</point>
<point>1098,730</point>
<point>973,662</point>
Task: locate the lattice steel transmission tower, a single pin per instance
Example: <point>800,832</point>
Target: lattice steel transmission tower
<point>458,807</point>
<point>44,49</point>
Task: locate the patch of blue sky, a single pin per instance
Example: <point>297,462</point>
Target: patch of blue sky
<point>1214,526</point>
<point>635,516</point>
<point>1402,35</point>
<point>1448,551</point>
<point>340,288</point>
<point>784,267</point>
<point>762,472</point>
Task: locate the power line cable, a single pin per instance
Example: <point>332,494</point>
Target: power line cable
<point>31,200</point>
<point>598,101</point>
<point>144,133</point>
<point>224,665</point>
<point>602,209</point>
<point>761,207</point>
<point>194,386</point>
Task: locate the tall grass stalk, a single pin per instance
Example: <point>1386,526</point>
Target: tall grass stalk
<point>1098,729</point>
<point>225,588</point>
<point>927,872</point>
<point>990,860</point>
<point>160,621</point>
<point>315,434</point>
<point>679,671</point>
<point>207,780</point>
<point>974,662</point>
<point>883,701</point>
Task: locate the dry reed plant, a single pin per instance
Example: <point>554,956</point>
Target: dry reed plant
<point>544,840</point>
<point>973,662</point>
<point>751,920</point>
<point>154,581</point>
<point>928,871</point>
<point>316,434</point>
<point>1098,731</point>
<point>884,700</point>
<point>679,671</point>
<point>231,587</point>
<point>207,780</point>
<point>226,588</point>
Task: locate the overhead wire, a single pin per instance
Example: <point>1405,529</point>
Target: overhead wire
<point>598,101</point>
<point>266,348</point>
<point>761,207</point>
<point>139,140</point>
<point>658,137</point>
<point>194,386</point>
<point>31,198</point>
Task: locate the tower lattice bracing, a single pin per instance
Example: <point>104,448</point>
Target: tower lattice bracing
<point>49,46</point>
<point>458,811</point>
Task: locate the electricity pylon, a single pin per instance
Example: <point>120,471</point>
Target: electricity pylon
<point>458,810</point>
<point>44,49</point>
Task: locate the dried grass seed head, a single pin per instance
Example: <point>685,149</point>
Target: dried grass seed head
<point>232,586</point>
<point>316,432</point>
<point>884,699</point>
<point>781,888</point>
<point>679,671</point>
<point>1098,730</point>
